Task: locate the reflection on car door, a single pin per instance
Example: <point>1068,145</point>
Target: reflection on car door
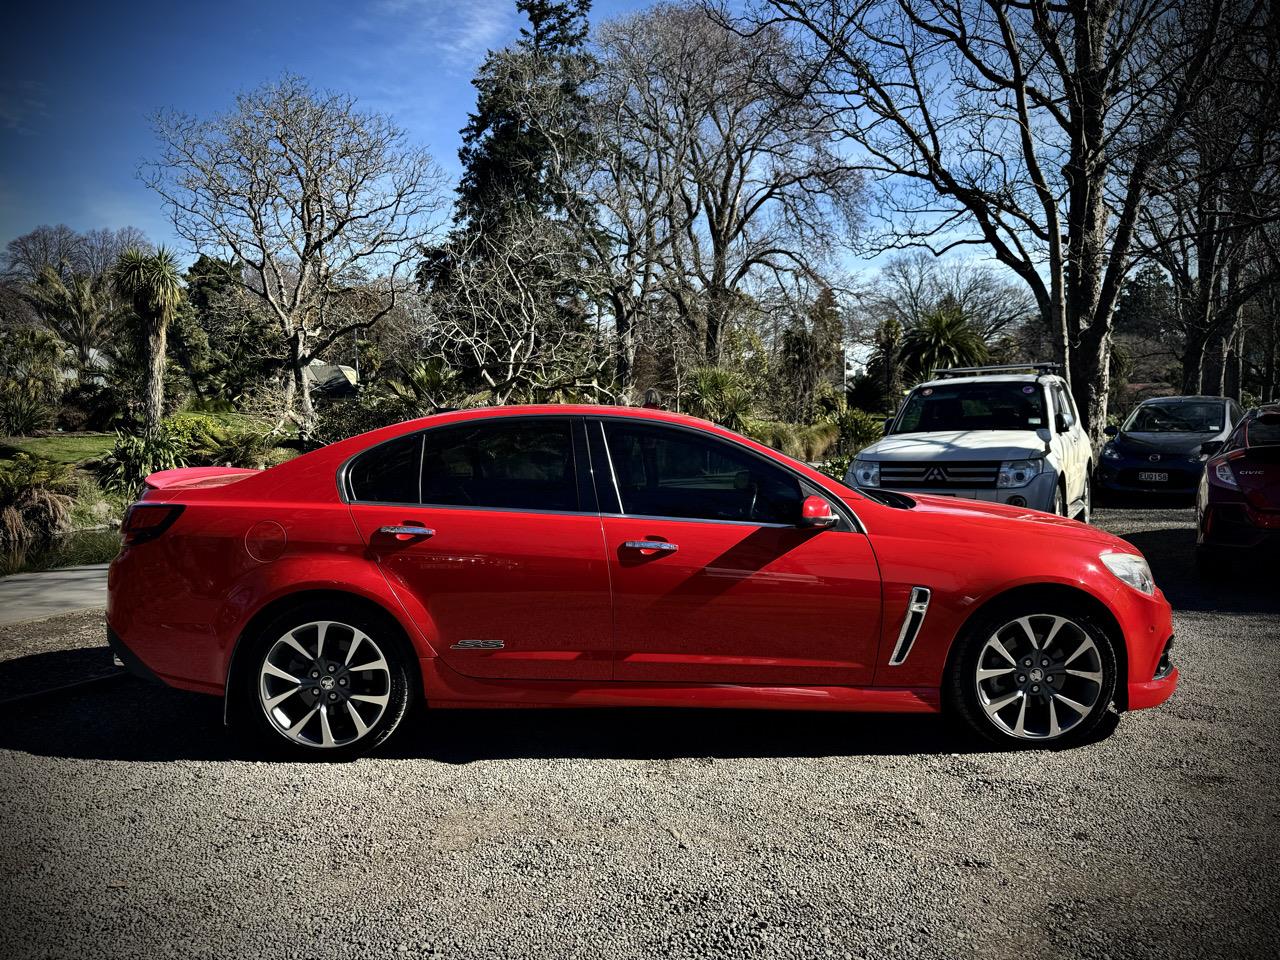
<point>713,582</point>
<point>511,582</point>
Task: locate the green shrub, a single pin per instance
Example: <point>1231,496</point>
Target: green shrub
<point>134,458</point>
<point>35,499</point>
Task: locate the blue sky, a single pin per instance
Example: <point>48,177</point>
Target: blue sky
<point>79,82</point>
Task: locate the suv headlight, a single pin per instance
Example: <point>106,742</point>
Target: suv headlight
<point>865,473</point>
<point>1018,473</point>
<point>1132,569</point>
<point>1109,452</point>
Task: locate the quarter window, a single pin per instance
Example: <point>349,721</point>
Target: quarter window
<point>389,472</point>
<point>672,473</point>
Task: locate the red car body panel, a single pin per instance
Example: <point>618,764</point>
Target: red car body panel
<point>748,615</point>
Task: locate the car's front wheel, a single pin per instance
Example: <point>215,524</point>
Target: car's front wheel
<point>326,683</point>
<point>1033,674</point>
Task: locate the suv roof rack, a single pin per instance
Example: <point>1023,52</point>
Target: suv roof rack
<point>1040,369</point>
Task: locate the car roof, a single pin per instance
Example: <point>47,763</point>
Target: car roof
<point>563,410</point>
<point>1187,399</point>
<point>993,378</point>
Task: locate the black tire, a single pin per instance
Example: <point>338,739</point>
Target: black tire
<point>1086,514</point>
<point>1059,501</point>
<point>382,642</point>
<point>962,685</point>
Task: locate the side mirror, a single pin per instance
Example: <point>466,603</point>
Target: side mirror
<point>1210,447</point>
<point>1060,423</point>
<point>816,512</point>
<point>888,422</point>
<point>1111,430</point>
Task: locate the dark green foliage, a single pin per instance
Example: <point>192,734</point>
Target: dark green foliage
<point>31,370</point>
<point>134,458</point>
<point>35,498</point>
<point>943,338</point>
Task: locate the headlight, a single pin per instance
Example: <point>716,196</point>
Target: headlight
<point>1132,569</point>
<point>1109,452</point>
<point>866,473</point>
<point>1225,477</point>
<point>1018,473</point>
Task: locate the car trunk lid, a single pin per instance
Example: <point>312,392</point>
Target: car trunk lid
<point>195,478</point>
<point>1257,470</point>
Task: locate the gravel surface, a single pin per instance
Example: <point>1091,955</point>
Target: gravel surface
<point>42,654</point>
<point>131,826</point>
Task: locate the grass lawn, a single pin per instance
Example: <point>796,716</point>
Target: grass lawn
<point>61,447</point>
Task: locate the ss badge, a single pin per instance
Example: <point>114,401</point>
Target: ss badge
<point>477,645</point>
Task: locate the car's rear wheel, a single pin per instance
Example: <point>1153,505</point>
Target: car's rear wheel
<point>327,683</point>
<point>1033,674</point>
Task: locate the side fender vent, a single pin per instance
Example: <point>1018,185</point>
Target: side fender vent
<point>917,607</point>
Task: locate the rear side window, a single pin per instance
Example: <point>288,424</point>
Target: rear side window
<point>389,473</point>
<point>518,464</point>
<point>1264,431</point>
<point>671,473</point>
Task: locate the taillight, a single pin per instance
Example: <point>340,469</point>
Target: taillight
<point>146,521</point>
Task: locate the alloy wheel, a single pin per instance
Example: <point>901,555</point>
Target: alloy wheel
<point>1039,676</point>
<point>324,684</point>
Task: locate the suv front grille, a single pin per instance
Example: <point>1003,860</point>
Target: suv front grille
<point>973,474</point>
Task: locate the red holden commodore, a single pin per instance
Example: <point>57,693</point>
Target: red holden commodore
<point>565,556</point>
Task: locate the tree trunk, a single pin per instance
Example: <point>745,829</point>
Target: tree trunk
<point>1091,380</point>
<point>153,399</point>
<point>1193,363</point>
<point>299,397</point>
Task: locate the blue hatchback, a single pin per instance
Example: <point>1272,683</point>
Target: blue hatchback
<point>1163,444</point>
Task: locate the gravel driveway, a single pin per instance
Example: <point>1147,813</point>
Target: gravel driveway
<point>130,826</point>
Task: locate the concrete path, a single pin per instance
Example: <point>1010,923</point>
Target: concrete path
<point>33,596</point>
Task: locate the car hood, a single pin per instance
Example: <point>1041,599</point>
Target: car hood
<point>957,445</point>
<point>982,518</point>
<point>1143,444</point>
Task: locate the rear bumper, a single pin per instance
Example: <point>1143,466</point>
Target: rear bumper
<point>1239,525</point>
<point>130,659</point>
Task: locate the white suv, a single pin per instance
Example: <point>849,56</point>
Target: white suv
<point>1010,434</point>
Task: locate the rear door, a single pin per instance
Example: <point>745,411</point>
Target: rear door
<point>713,580</point>
<point>487,530</point>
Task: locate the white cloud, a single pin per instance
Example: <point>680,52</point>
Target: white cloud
<point>460,33</point>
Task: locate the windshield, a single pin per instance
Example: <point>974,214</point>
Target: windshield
<point>973,406</point>
<point>1181,417</point>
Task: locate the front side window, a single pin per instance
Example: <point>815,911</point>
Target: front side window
<point>516,464</point>
<point>662,472</point>
<point>973,406</point>
<point>1063,403</point>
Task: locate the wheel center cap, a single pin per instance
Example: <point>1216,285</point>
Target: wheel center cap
<point>1037,675</point>
<point>327,683</point>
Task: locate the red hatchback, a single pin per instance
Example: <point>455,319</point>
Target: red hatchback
<point>1238,504</point>
<point>596,556</point>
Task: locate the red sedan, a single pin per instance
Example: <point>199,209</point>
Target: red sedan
<point>1238,502</point>
<point>597,556</point>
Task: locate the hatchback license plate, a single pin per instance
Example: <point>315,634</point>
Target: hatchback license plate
<point>1153,477</point>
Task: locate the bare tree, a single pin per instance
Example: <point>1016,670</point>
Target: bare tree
<point>1031,129</point>
<point>491,318</point>
<point>1209,221</point>
<point>722,170</point>
<point>325,205</point>
<point>913,285</point>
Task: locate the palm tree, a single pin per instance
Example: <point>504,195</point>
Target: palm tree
<point>77,308</point>
<point>151,283</point>
<point>943,338</point>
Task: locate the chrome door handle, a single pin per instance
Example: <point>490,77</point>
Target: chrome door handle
<point>661,545</point>
<point>407,531</point>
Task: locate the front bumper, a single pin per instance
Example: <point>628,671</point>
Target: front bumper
<point>1122,476</point>
<point>1038,494</point>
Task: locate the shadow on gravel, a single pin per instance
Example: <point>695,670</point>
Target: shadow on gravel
<point>136,721</point>
<point>1246,587</point>
<point>44,671</point>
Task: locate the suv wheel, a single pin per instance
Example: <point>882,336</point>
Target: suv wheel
<point>326,683</point>
<point>1059,501</point>
<point>1033,674</point>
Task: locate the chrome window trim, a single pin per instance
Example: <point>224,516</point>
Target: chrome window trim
<point>918,603</point>
<point>855,522</point>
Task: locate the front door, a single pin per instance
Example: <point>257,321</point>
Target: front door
<point>713,582</point>
<point>489,535</point>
